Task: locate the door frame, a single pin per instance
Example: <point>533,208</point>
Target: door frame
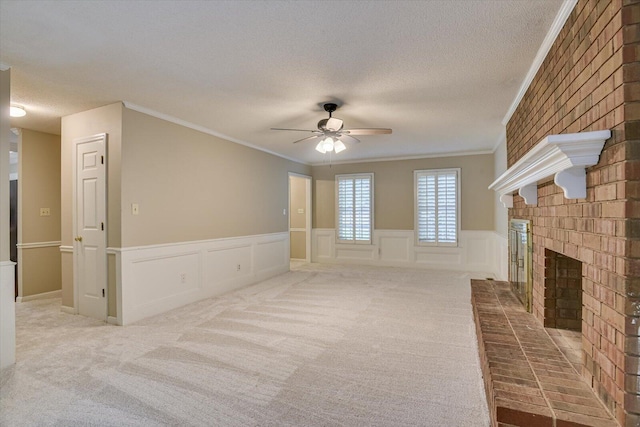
<point>308,216</point>
<point>76,265</point>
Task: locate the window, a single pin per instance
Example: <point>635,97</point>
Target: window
<point>354,202</point>
<point>436,214</point>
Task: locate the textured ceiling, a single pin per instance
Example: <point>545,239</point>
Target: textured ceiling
<point>441,74</point>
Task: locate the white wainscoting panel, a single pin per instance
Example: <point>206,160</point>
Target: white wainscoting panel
<point>271,254</point>
<point>153,279</point>
<point>478,251</point>
<point>227,264</point>
<point>501,257</point>
<point>445,257</point>
<point>354,252</point>
<point>322,244</point>
<point>395,245</point>
<point>7,314</point>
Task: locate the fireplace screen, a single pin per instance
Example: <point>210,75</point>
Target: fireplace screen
<point>520,266</point>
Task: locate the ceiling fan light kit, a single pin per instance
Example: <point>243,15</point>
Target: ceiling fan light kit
<point>331,134</point>
<point>328,145</point>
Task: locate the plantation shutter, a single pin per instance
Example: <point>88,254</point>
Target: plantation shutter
<point>437,207</point>
<point>354,208</point>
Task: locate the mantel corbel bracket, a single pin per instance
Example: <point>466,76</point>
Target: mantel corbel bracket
<point>573,182</point>
<point>530,194</point>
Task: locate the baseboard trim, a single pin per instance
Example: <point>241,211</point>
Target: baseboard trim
<point>112,320</point>
<point>44,295</point>
<point>67,309</point>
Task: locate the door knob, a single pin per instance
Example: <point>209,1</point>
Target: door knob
<point>78,239</point>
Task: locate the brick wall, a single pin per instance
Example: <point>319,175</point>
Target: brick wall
<point>590,80</point>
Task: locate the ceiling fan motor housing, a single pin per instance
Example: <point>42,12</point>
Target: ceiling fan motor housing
<point>331,124</point>
<point>330,107</point>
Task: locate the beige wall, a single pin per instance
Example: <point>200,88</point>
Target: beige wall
<point>501,219</point>
<point>193,186</point>
<point>38,187</point>
<point>298,245</point>
<point>40,271</point>
<point>107,119</point>
<point>298,201</point>
<point>394,193</point>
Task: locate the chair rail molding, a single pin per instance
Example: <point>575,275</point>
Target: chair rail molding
<point>565,157</point>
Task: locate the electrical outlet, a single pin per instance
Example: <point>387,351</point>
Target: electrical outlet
<point>183,277</point>
<point>238,269</point>
<point>45,211</point>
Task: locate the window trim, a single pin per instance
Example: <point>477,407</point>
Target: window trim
<point>416,173</point>
<point>371,208</point>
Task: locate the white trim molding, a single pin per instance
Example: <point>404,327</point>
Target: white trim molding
<point>479,251</point>
<point>401,158</point>
<point>561,18</point>
<point>154,279</point>
<point>565,157</point>
<point>66,249</point>
<point>38,245</point>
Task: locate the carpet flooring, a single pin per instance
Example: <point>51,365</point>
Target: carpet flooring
<point>318,346</point>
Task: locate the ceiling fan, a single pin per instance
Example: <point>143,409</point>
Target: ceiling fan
<point>331,134</point>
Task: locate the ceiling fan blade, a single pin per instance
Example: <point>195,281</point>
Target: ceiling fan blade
<point>334,124</point>
<point>348,138</point>
<point>367,131</point>
<point>309,138</point>
<point>298,130</point>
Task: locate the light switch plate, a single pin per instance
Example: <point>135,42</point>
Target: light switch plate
<point>135,210</point>
<point>301,211</point>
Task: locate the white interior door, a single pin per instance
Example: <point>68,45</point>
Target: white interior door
<point>90,217</point>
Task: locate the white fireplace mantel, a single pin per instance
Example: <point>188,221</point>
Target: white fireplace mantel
<point>564,157</point>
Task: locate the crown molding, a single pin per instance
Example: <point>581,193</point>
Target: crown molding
<point>556,26</point>
<point>416,157</point>
<point>565,157</point>
<point>177,121</point>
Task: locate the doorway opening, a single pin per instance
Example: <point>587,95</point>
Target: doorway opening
<point>299,217</point>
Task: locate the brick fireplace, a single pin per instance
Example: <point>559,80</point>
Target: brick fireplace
<point>562,292</point>
<point>590,81</point>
